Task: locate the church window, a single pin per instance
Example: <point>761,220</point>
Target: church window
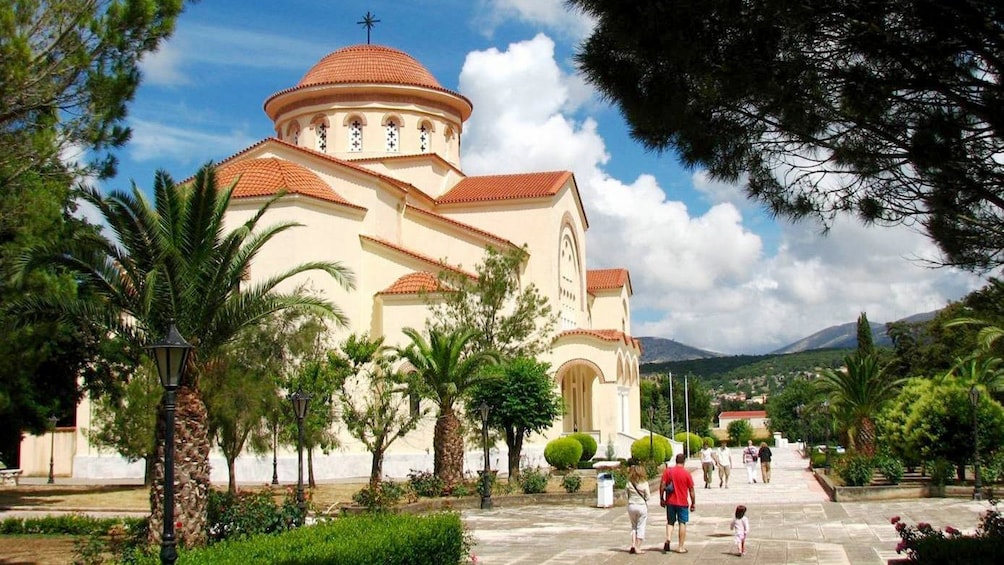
<point>322,137</point>
<point>423,138</point>
<point>293,133</point>
<point>392,136</point>
<point>355,136</point>
<point>569,281</point>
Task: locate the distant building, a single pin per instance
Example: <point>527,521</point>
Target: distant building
<point>756,418</point>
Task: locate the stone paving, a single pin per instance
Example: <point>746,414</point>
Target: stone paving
<point>791,521</point>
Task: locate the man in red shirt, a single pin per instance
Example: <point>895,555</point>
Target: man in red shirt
<point>677,507</point>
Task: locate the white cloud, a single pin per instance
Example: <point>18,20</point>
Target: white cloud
<point>553,14</point>
<point>159,141</point>
<point>705,279</point>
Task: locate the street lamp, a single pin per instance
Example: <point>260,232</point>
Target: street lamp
<point>799,410</point>
<point>825,409</point>
<point>651,442</point>
<point>171,356</point>
<point>52,447</point>
<point>486,485</point>
<point>974,400</point>
<point>301,401</point>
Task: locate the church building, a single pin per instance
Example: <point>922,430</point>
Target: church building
<point>367,149</point>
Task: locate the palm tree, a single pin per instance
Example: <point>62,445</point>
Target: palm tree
<point>446,371</point>
<point>857,393</point>
<point>176,261</point>
<point>979,369</point>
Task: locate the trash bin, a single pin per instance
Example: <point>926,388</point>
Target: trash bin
<point>604,490</point>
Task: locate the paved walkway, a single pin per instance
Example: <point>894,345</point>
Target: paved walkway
<point>791,521</point>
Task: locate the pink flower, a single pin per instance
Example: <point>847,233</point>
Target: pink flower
<point>894,519</point>
<point>924,527</point>
<point>900,526</point>
<point>951,531</point>
<point>900,547</point>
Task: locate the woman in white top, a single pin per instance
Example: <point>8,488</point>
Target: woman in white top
<point>723,458</point>
<point>707,463</point>
<point>750,454</point>
<point>637,496</point>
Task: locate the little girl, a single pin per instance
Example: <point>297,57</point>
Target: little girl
<point>741,526</point>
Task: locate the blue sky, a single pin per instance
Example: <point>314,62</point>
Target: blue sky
<point>709,268</point>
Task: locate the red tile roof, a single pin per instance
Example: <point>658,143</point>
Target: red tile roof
<point>414,283</point>
<point>742,414</point>
<point>605,335</point>
<point>506,187</point>
<point>269,176</point>
<point>606,279</point>
<point>369,64</point>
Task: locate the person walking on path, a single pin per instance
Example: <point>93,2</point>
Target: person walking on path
<point>707,463</point>
<point>765,455</point>
<point>741,528</point>
<point>675,486</point>
<point>723,458</point>
<point>750,454</point>
<point>637,509</point>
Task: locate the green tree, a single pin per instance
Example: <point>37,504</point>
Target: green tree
<point>740,431</point>
<point>888,110</point>
<point>507,317</point>
<point>67,71</point>
<point>866,344</point>
<point>374,399</point>
<point>176,261</point>
<point>446,369</point>
<point>126,420</point>
<point>857,393</point>
<point>317,379</point>
<point>523,401</point>
<point>783,416</point>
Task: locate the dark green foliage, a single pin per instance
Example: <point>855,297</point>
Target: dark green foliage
<point>534,480</point>
<point>888,111</point>
<point>69,525</point>
<point>425,483</point>
<point>380,497</point>
<point>641,450</point>
<point>940,471</point>
<point>855,470</point>
<point>866,344</point>
<point>249,513</point>
<point>740,432</point>
<point>890,467</point>
<point>783,416</point>
<point>652,469</point>
<point>563,453</point>
<point>571,483</point>
<point>405,539</point>
<point>620,475</point>
<point>588,445</point>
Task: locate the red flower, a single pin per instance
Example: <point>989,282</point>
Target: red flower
<point>178,524</point>
<point>900,526</point>
<point>894,519</point>
<point>951,531</point>
<point>924,527</point>
<point>900,546</point>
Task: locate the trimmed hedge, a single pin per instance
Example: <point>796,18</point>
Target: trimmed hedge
<point>695,441</point>
<point>640,450</point>
<point>68,525</point>
<point>666,447</point>
<point>351,540</point>
<point>588,445</point>
<point>563,453</point>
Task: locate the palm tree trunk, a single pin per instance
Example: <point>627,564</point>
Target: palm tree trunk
<point>449,449</point>
<point>191,472</point>
<point>865,441</point>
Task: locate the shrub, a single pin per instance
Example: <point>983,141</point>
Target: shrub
<point>386,494</point>
<point>709,441</point>
<point>534,480</point>
<point>941,472</point>
<point>924,544</point>
<point>993,470</point>
<point>69,525</point>
<point>890,467</point>
<point>652,469</point>
<point>249,513</point>
<point>571,483</point>
<point>620,476</point>
<point>588,445</point>
<point>426,483</point>
<point>695,442</point>
<point>563,453</point>
<point>740,431</point>
<point>666,446</point>
<point>856,470</point>
<point>640,450</point>
<point>480,487</point>
<point>351,540</point>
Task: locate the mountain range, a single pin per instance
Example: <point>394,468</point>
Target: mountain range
<point>843,336</point>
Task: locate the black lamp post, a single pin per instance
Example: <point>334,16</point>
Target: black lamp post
<point>301,401</point>
<point>974,400</point>
<point>829,425</point>
<point>171,356</point>
<point>486,485</point>
<point>651,441</point>
<point>800,411</point>
<point>52,448</point>
<point>275,455</point>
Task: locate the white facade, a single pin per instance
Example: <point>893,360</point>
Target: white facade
<point>368,154</point>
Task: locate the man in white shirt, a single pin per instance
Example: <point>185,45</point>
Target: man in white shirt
<point>723,458</point>
<point>750,454</point>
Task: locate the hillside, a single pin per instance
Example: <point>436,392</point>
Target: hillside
<point>726,371</point>
<point>657,350</point>
<point>845,336</point>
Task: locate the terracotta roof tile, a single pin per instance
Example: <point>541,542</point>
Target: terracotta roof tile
<point>606,279</point>
<point>744,414</point>
<point>269,176</point>
<point>414,283</point>
<point>369,64</point>
<point>506,187</point>
<point>605,335</point>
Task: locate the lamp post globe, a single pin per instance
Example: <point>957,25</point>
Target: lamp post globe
<point>486,485</point>
<point>52,448</point>
<point>301,401</point>
<point>974,401</point>
<point>171,356</point>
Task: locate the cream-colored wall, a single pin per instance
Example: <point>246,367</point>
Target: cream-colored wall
<point>609,310</point>
<point>425,173</point>
<point>448,243</point>
<point>36,450</point>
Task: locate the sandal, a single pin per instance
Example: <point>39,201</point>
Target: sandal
<point>683,550</point>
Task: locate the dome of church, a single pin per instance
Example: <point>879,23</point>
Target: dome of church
<point>269,176</point>
<point>369,64</point>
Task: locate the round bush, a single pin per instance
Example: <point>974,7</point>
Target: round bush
<point>695,441</point>
<point>588,445</point>
<point>710,441</point>
<point>856,470</point>
<point>534,480</point>
<point>666,447</point>
<point>563,453</point>
<point>640,450</point>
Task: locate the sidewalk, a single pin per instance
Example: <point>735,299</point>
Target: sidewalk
<point>791,520</point>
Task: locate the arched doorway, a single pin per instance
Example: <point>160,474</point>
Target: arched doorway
<point>577,379</point>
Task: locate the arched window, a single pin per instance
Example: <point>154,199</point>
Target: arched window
<point>424,136</point>
<point>355,136</point>
<point>392,136</point>
<point>322,137</point>
<point>569,280</point>
<point>293,133</point>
